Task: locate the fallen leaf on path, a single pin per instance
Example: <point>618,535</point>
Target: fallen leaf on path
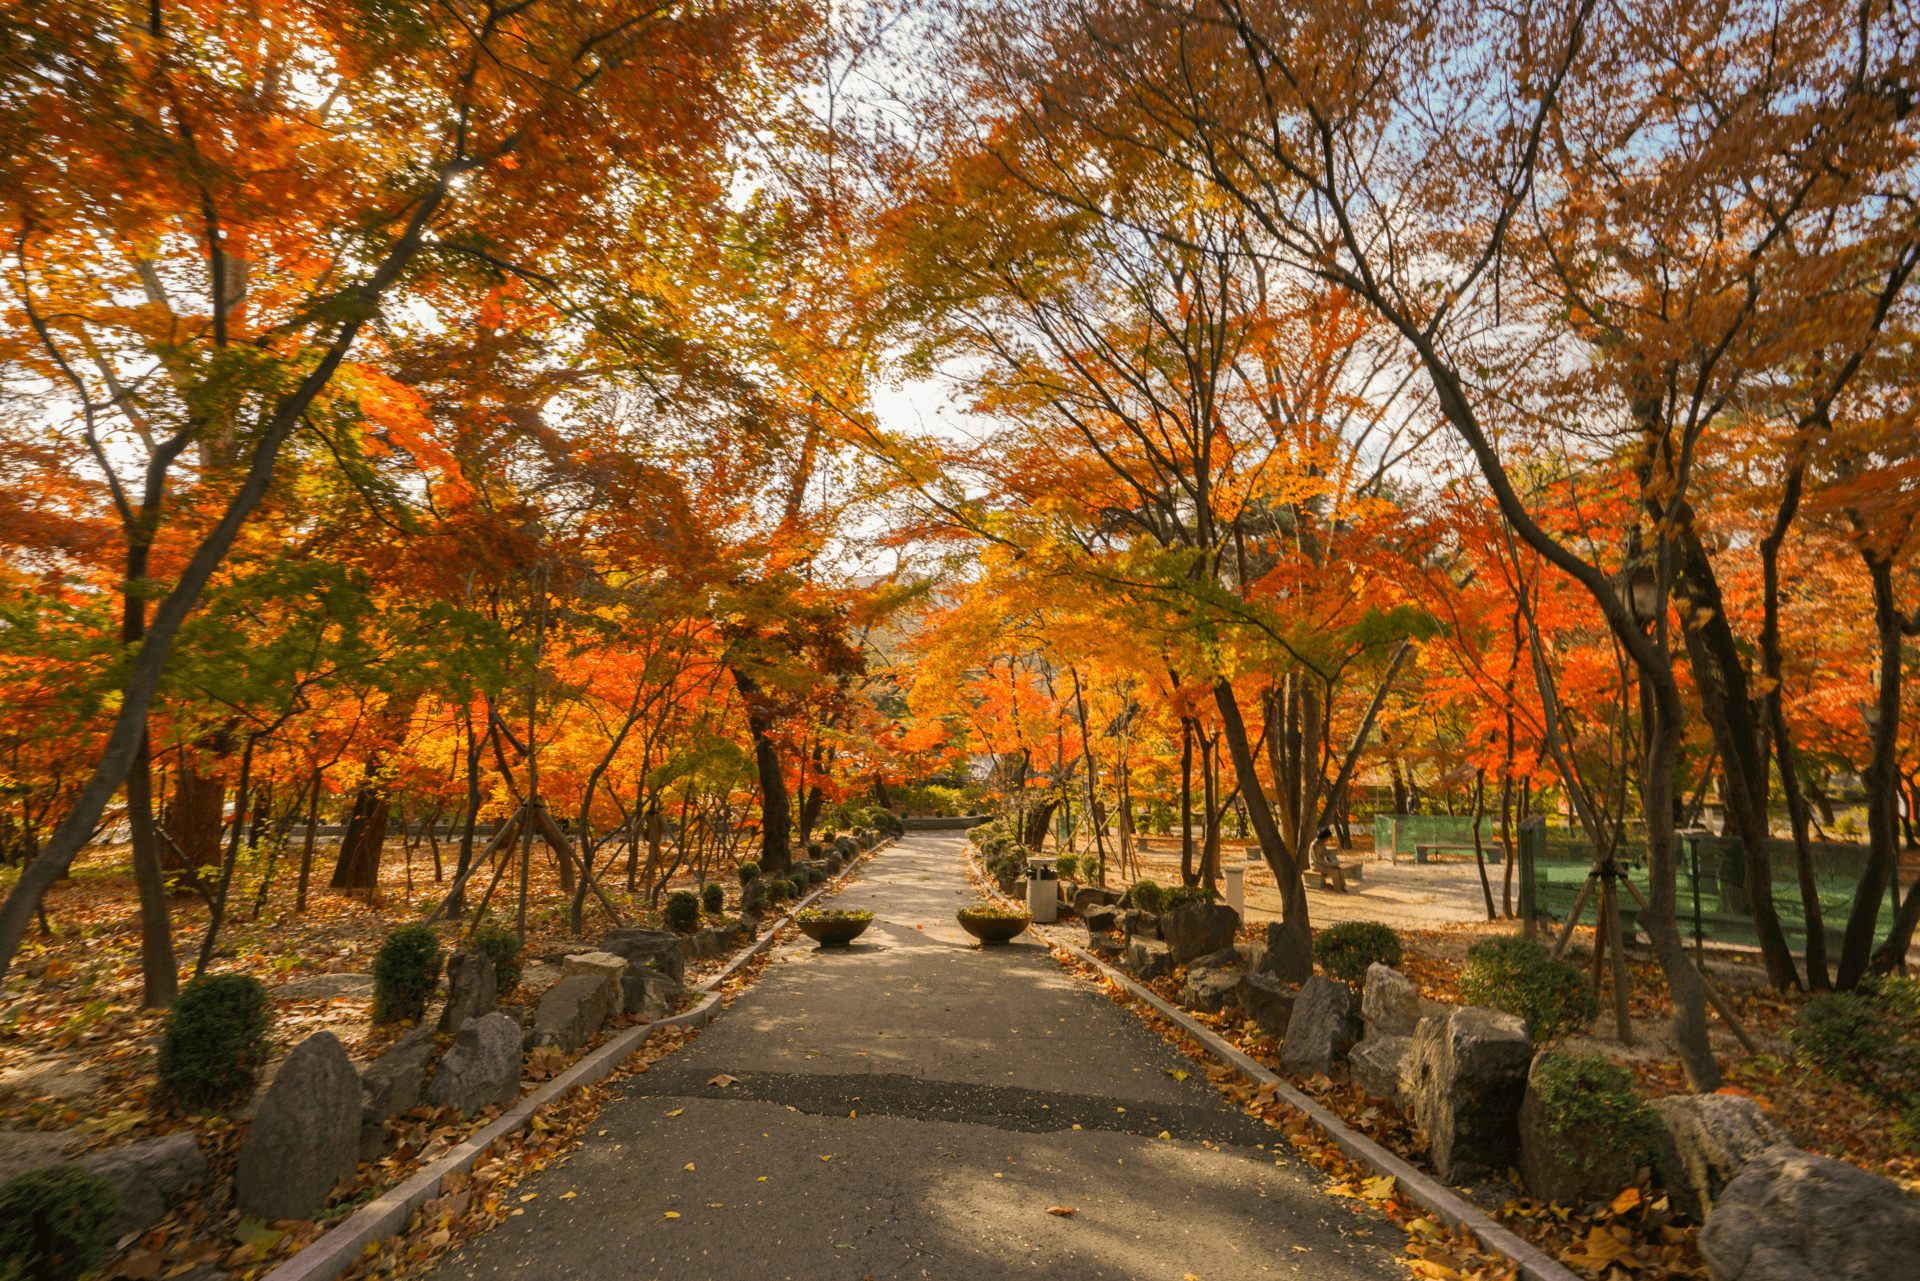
<point>673,1214</point>
<point>676,1112</point>
<point>1178,1074</point>
<point>568,1196</point>
<point>687,1166</point>
<point>723,1081</point>
<point>1064,1211</point>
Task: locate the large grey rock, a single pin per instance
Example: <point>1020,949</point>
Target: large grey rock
<point>1793,1216</point>
<point>147,1175</point>
<point>1289,955</point>
<point>1226,958</point>
<point>1710,1139</point>
<point>1316,1029</point>
<point>1268,1002</point>
<point>1107,948</point>
<point>653,949</point>
<point>473,990</point>
<point>1101,919</point>
<point>1469,1073</point>
<point>1195,929</point>
<point>1209,990</point>
<point>390,1084</point>
<point>1149,959</point>
<point>321,987</point>
<point>1380,1066</point>
<point>649,994</point>
<point>306,1136</point>
<point>481,1067</point>
<point>753,895</point>
<point>1092,896</point>
<point>571,1012</point>
<point>1138,923</point>
<point>1578,1165</point>
<point>1389,1005</point>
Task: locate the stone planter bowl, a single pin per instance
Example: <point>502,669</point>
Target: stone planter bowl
<point>834,933</point>
<point>993,929</point>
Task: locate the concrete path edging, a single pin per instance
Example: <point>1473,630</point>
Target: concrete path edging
<point>336,1249</point>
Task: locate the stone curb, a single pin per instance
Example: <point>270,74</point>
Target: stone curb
<point>336,1249</point>
<point>1423,1189</point>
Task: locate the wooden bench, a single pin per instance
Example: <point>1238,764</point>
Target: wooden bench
<point>1318,879</point>
<point>1421,853</point>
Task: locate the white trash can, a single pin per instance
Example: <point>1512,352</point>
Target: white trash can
<point>1043,890</point>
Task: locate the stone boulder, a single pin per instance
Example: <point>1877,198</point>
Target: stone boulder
<point>1389,1006</point>
<point>1138,923</point>
<point>1227,958</point>
<point>306,1136</point>
<point>481,1067</point>
<point>390,1084</point>
<point>1253,954</point>
<point>571,1012</point>
<point>1574,1167</point>
<point>1149,959</point>
<point>1195,929</point>
<point>610,966</point>
<point>652,949</point>
<point>1107,948</point>
<point>1210,990</point>
<point>1467,1077</point>
<point>473,989</point>
<point>1101,919</point>
<point>1268,1002</point>
<point>147,1175</point>
<point>1791,1215</point>
<point>1289,956</point>
<point>1315,1031</point>
<point>1092,896</point>
<point>1380,1066</point>
<point>753,895</point>
<point>1710,1139</point>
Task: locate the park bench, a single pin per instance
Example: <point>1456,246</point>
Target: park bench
<point>1318,879</point>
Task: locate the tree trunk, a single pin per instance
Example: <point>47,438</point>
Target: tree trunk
<point>159,971</point>
<point>1286,868</point>
<point>358,866</point>
<point>1883,784</point>
<point>1186,801</point>
<point>776,814</point>
<point>193,818</point>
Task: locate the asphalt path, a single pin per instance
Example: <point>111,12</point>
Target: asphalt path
<point>911,1107</point>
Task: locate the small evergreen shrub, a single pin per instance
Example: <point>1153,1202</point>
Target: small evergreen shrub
<point>815,849</point>
<point>1869,1038</point>
<point>53,1223</point>
<point>405,970</point>
<point>1590,1095</point>
<point>748,871</point>
<point>777,891</point>
<point>216,1036</point>
<point>502,947</point>
<point>713,898</point>
<point>887,822</point>
<point>683,911</point>
<point>1514,974</point>
<point>1176,896</point>
<point>1347,949</point>
<point>1145,895</point>
<point>1069,866</point>
<point>797,885</point>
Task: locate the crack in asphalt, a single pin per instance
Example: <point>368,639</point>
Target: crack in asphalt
<point>1000,1107</point>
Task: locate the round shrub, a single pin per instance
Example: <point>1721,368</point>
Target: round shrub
<point>815,875</point>
<point>1145,895</point>
<point>778,891</point>
<point>683,911</point>
<point>1588,1097</point>
<point>713,898</point>
<point>887,821</point>
<point>1175,896</point>
<point>797,885</point>
<point>1869,1038</point>
<point>502,947</point>
<point>748,871</point>
<point>815,849</point>
<point>216,1036</point>
<point>405,970</point>
<point>1514,974</point>
<point>1068,865</point>
<point>1347,949</point>
<point>53,1223</point>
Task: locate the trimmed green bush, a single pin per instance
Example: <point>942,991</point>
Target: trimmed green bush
<point>816,875</point>
<point>1145,895</point>
<point>53,1223</point>
<point>502,947</point>
<point>748,871</point>
<point>1069,866</point>
<point>405,970</point>
<point>1870,1039</point>
<point>713,898</point>
<point>816,850</point>
<point>216,1037</point>
<point>1514,974</point>
<point>778,891</point>
<point>1590,1094</point>
<point>1180,895</point>
<point>798,885</point>
<point>683,911</point>
<point>1347,949</point>
<point>887,822</point>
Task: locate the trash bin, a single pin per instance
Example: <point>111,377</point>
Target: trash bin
<point>1043,889</point>
<point>1236,874</point>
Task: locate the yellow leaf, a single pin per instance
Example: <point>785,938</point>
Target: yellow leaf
<point>1063,1211</point>
<point>528,1197</point>
<point>761,1179</point>
<point>673,1214</point>
<point>1178,1074</point>
<point>1628,1198</point>
<point>687,1166</point>
<point>1377,1189</point>
<point>828,1157</point>
<point>716,1205</point>
<point>568,1196</point>
<point>676,1112</point>
<point>723,1081</point>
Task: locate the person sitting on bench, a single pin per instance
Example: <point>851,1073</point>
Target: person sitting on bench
<point>1324,863</point>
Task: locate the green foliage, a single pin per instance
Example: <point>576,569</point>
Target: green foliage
<point>797,886</point>
<point>216,1036</point>
<point>1869,1038</point>
<point>683,911</point>
<point>53,1223</point>
<point>1146,895</point>
<point>815,849</point>
<point>405,971</point>
<point>748,871</point>
<point>1180,895</point>
<point>816,875</point>
<point>1069,865</point>
<point>1347,949</point>
<point>887,823</point>
<point>713,898</point>
<point>1160,818</point>
<point>1592,1093</point>
<point>1514,974</point>
<point>778,891</point>
<point>502,947</point>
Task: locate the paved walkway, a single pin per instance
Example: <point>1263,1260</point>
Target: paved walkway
<point>910,1108</point>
